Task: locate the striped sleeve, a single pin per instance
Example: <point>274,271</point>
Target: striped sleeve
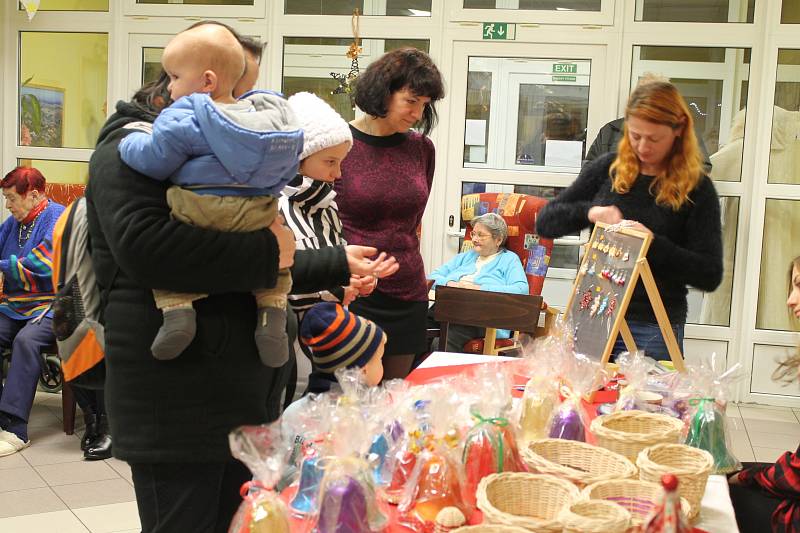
<point>33,273</point>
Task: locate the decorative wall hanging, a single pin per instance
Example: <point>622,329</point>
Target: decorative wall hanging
<point>346,81</point>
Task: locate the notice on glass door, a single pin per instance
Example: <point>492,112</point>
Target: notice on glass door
<point>563,153</point>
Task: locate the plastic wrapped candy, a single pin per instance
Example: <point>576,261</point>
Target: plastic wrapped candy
<point>348,502</point>
<point>401,457</point>
<point>436,482</point>
<point>437,479</point>
<point>305,500</point>
<point>347,497</point>
<point>541,391</point>
<point>708,428</point>
<point>635,367</point>
<point>490,445</point>
<point>262,450</point>
<point>581,375</point>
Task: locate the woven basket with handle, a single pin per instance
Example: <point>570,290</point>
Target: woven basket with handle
<point>529,501</point>
<point>629,432</point>
<point>691,465</point>
<point>638,497</point>
<point>595,516</point>
<point>575,461</point>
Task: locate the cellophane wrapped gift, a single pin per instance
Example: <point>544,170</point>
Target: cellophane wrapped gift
<point>416,412</point>
<point>708,428</point>
<point>386,414</point>
<point>581,375</point>
<point>437,478</point>
<point>540,398</point>
<point>263,450</point>
<point>490,446</point>
<point>636,368</point>
<point>347,499</point>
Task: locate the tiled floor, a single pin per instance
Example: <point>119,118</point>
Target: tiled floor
<point>48,487</point>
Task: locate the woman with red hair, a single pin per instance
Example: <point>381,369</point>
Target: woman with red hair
<point>656,179</point>
<point>25,319</point>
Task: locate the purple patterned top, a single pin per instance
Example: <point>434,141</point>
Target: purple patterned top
<point>382,194</point>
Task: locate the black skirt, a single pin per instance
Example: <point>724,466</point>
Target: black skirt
<point>403,322</point>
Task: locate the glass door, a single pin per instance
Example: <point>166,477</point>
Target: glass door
<point>521,115</point>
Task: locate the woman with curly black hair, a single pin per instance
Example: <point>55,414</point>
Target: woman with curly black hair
<point>385,184</point>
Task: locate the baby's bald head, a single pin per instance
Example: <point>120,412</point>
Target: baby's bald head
<point>206,58</point>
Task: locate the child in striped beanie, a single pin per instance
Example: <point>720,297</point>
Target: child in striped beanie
<point>337,339</point>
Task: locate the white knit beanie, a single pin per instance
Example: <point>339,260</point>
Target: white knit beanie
<point>322,126</point>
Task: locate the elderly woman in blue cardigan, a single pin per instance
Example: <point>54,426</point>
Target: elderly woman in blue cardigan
<point>486,267</point>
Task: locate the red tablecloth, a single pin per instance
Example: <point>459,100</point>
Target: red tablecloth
<point>425,375</point>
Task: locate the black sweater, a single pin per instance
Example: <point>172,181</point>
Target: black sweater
<point>686,247</point>
<point>179,410</point>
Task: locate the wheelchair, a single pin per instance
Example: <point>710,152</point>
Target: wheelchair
<point>51,378</point>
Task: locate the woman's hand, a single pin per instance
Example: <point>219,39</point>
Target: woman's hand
<point>464,285</point>
<point>351,292</point>
<point>608,214</point>
<point>360,264</point>
<point>286,244</point>
<point>638,226</point>
<point>367,285</point>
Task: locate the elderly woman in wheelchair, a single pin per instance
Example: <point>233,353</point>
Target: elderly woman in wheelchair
<point>486,266</point>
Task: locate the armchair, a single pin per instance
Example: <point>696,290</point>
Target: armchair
<point>520,212</point>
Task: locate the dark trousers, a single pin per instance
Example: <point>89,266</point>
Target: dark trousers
<point>89,400</point>
<point>457,334</point>
<point>26,339</point>
<point>183,497</point>
<point>753,506</point>
<point>648,338</point>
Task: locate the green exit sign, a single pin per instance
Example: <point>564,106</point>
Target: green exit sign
<point>499,31</point>
<point>565,68</point>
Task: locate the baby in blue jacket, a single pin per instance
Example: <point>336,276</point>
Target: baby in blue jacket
<point>228,161</point>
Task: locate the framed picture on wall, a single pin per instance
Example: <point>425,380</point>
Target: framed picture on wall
<point>41,116</point>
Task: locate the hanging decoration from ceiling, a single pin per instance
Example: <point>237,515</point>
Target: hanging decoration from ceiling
<point>31,7</point>
<point>346,81</point>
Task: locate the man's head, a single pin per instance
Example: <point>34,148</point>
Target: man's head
<point>206,59</point>
<point>253,50</point>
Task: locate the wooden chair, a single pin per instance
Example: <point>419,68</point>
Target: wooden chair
<point>492,310</point>
<point>520,212</point>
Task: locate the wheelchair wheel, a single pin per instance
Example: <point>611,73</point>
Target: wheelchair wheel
<point>51,379</point>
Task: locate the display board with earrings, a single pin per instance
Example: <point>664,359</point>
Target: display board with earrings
<point>614,260</point>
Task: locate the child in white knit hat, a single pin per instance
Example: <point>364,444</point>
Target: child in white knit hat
<point>308,206</point>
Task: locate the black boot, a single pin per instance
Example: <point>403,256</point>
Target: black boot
<point>100,447</point>
<point>90,433</point>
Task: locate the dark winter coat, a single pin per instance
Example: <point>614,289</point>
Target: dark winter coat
<point>179,410</point>
<point>608,138</point>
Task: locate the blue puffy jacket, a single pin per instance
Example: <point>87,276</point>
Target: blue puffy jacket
<point>246,150</point>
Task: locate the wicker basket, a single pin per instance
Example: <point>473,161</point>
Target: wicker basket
<point>691,465</point>
<point>595,516</point>
<point>638,497</point>
<point>488,528</point>
<point>629,432</point>
<point>529,501</point>
<point>575,461</point>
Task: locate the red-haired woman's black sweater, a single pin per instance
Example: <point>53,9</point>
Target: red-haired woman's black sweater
<point>687,243</point>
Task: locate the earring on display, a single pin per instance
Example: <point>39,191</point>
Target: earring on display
<point>586,299</point>
<point>595,305</point>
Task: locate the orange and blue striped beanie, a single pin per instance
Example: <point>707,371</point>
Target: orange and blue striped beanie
<point>339,338</point>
